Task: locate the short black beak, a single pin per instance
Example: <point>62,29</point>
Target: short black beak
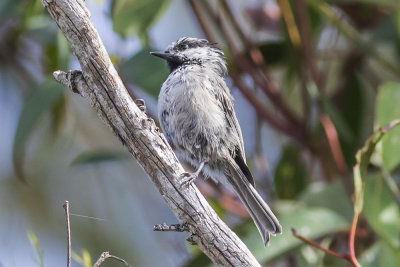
<point>162,55</point>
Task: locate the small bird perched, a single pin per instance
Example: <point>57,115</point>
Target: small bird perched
<point>195,109</point>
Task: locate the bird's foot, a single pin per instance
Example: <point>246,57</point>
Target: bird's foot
<point>141,104</point>
<point>188,178</point>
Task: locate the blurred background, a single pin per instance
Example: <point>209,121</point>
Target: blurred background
<point>312,80</point>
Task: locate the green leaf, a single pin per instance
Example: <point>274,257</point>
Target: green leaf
<point>380,254</point>
<point>330,196</point>
<point>99,156</point>
<point>308,222</point>
<point>56,47</point>
<point>145,71</point>
<point>349,32</point>
<point>35,243</point>
<point>290,175</point>
<point>352,111</point>
<point>58,113</point>
<point>85,259</point>
<point>363,157</point>
<point>389,257</point>
<point>370,256</point>
<point>134,17</point>
<point>36,105</point>
<point>398,22</point>
<point>381,211</point>
<point>385,30</point>
<point>388,109</point>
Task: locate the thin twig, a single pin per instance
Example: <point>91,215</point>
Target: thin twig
<point>306,42</point>
<point>318,246</point>
<point>234,22</point>
<point>254,65</point>
<point>348,257</point>
<point>310,66</point>
<point>106,255</point>
<point>255,54</point>
<point>66,209</point>
<point>268,87</point>
<point>251,67</point>
<point>201,20</point>
<point>261,110</point>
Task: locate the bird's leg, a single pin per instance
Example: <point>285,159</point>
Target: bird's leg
<point>141,105</point>
<point>189,178</point>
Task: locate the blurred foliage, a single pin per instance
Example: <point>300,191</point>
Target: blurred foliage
<point>355,47</point>
<point>290,170</point>
<point>134,17</point>
<point>144,72</point>
<point>42,100</point>
<point>84,259</point>
<point>35,243</point>
<point>387,109</point>
<point>382,213</point>
<point>291,215</point>
<point>99,156</point>
<point>330,196</point>
<point>375,199</point>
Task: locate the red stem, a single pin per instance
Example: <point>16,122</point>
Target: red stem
<point>333,140</point>
<point>352,254</point>
<point>318,246</point>
<point>350,257</point>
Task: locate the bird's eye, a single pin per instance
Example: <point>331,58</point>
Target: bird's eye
<point>184,46</point>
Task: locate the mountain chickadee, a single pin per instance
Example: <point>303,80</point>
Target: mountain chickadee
<point>195,109</point>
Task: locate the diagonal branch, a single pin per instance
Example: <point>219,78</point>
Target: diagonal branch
<point>100,83</point>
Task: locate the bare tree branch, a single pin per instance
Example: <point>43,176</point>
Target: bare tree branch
<point>66,209</point>
<point>100,83</point>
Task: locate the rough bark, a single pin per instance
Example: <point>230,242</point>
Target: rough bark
<point>100,83</point>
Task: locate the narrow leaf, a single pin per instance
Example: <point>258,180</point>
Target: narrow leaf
<point>363,157</point>
<point>290,175</point>
<point>35,243</point>
<point>98,156</point>
<point>145,71</point>
<point>388,109</point>
<point>36,105</point>
<point>381,211</point>
<point>134,17</point>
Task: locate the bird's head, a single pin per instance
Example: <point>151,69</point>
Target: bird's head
<point>192,51</point>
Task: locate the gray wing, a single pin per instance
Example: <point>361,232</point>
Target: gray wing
<point>225,101</point>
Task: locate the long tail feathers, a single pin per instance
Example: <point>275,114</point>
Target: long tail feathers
<point>262,215</point>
